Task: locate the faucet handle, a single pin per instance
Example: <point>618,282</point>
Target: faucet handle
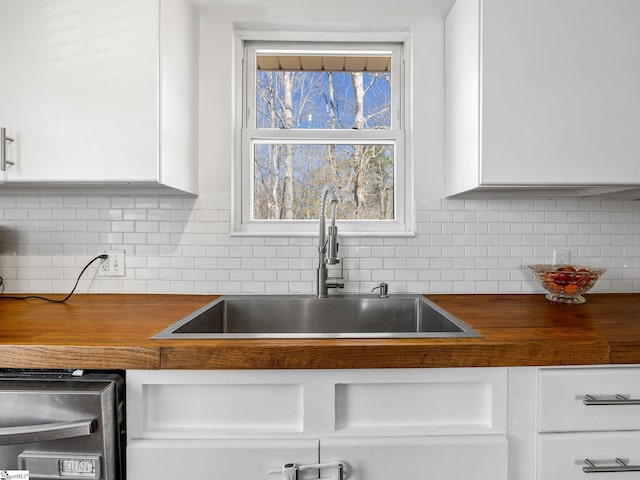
<point>384,289</point>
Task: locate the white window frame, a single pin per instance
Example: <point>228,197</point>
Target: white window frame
<point>247,42</point>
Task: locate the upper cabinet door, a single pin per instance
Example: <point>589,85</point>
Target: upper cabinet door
<point>81,89</point>
<point>543,93</point>
<point>78,84</point>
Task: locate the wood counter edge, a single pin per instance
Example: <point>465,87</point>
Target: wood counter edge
<point>103,357</point>
<point>345,356</point>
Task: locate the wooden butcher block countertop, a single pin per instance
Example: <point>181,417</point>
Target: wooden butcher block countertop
<point>114,331</point>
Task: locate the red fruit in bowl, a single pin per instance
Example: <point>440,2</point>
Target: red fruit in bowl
<point>562,278</point>
<point>566,283</point>
<point>567,268</point>
<point>564,275</point>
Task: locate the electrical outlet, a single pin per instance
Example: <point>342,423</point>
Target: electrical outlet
<point>561,256</point>
<point>114,265</point>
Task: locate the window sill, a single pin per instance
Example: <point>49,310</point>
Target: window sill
<point>311,229</point>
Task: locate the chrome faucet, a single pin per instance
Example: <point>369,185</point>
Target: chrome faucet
<point>328,246</point>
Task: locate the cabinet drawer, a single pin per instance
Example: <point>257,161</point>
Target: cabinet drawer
<point>438,402</point>
<point>433,407</point>
<point>203,404</point>
<point>562,455</point>
<point>562,399</point>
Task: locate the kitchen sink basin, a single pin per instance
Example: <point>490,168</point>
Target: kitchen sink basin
<point>298,316</point>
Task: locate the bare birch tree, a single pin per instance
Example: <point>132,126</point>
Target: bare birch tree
<point>359,155</point>
<point>289,176</point>
<point>288,187</point>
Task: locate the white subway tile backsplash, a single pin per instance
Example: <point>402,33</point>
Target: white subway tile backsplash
<point>163,239</point>
<point>453,275</point>
<point>286,252</point>
<point>278,288</point>
<point>496,228</point>
<point>135,238</point>
<point>383,275</point>
<point>28,202</point>
<point>276,264</point>
<point>476,275</point>
<point>464,239</point>
<point>441,216</point>
<point>298,287</point>
<point>441,264</point>
<point>265,275</point>
<point>302,263</point>
<point>356,275</point>
<point>240,275</point>
<point>578,217</point>
<point>371,263</point>
<point>78,201</point>
<point>453,252</point>
<point>182,245</point>
<point>394,263</point>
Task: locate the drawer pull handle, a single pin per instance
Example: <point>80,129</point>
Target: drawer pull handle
<point>621,466</point>
<point>618,400</point>
<point>289,471</point>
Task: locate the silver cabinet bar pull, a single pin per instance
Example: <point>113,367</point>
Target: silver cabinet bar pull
<point>289,471</point>
<point>3,149</point>
<point>617,400</point>
<point>621,466</point>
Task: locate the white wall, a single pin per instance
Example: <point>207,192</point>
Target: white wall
<point>182,245</point>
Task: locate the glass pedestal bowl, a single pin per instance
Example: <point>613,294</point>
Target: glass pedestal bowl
<point>566,283</point>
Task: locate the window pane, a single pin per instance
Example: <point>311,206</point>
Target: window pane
<point>288,180</point>
<point>326,99</point>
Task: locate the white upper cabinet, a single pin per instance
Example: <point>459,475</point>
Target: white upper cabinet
<point>542,93</point>
<point>99,92</point>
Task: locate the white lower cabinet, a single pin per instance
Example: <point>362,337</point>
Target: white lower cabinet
<point>589,423</point>
<point>528,423</point>
<point>564,456</point>
<point>447,424</point>
<point>589,399</point>
<point>216,459</point>
<point>432,458</point>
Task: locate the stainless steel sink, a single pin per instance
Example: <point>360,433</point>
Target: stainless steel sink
<point>296,316</point>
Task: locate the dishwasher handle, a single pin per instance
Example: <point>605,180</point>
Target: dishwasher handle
<point>43,432</point>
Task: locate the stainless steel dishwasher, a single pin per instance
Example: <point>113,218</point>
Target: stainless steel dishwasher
<point>62,425</point>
